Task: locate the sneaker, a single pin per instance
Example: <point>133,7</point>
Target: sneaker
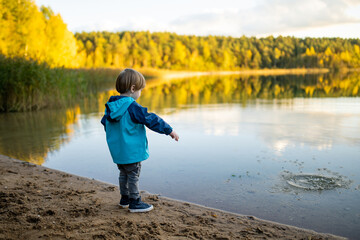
<point>137,206</point>
<point>124,201</point>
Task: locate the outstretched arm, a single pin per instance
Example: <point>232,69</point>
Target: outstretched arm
<point>140,115</point>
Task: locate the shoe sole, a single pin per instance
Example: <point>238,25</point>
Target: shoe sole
<point>141,210</point>
<point>124,206</point>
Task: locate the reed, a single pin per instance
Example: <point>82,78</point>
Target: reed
<point>26,85</point>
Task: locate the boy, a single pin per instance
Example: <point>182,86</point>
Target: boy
<point>124,122</point>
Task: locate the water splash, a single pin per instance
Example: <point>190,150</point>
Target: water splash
<point>315,182</point>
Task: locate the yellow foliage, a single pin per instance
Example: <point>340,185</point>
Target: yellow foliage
<point>227,60</point>
<point>277,90</point>
<point>61,47</point>
<point>179,52</point>
<point>25,32</point>
<point>327,89</point>
<point>71,118</point>
<point>310,52</point>
<point>345,56</point>
<point>249,90</point>
<point>309,90</point>
<point>355,90</point>
<point>278,53</point>
<point>182,96</point>
<point>249,54</point>
<point>344,84</point>
<point>37,158</point>
<point>357,49</point>
<point>206,50</point>
<point>207,96</point>
<point>228,87</point>
<point>328,52</point>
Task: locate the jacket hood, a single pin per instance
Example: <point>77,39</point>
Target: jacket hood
<point>117,106</point>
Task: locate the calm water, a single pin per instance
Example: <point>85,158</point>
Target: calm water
<point>239,139</point>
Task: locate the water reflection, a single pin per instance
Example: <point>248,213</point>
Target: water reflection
<point>229,89</point>
<point>31,136</point>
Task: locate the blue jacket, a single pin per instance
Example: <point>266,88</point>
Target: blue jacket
<point>124,122</point>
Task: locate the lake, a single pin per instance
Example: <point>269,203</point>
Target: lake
<point>281,148</point>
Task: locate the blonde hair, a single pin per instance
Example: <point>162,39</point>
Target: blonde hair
<point>127,78</point>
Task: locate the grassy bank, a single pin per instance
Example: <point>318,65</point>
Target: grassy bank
<point>27,85</point>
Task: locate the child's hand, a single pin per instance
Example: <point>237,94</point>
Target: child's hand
<point>174,136</point>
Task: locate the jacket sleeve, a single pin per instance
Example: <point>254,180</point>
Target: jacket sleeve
<point>140,115</point>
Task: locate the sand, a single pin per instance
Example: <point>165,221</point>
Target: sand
<point>38,202</point>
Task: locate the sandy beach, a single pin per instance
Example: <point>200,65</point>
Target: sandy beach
<point>38,202</point>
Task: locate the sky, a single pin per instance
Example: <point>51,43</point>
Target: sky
<point>259,18</point>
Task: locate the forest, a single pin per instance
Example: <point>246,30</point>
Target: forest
<point>39,34</point>
<point>180,52</point>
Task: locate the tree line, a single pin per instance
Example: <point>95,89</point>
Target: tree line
<point>38,34</point>
<point>171,51</point>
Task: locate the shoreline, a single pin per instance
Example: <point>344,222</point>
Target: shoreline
<point>41,202</point>
<point>251,72</point>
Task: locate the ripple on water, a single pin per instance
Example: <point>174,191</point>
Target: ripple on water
<point>315,182</point>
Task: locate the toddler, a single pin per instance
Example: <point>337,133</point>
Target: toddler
<point>124,122</point>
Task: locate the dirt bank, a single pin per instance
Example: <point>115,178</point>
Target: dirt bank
<point>37,202</point>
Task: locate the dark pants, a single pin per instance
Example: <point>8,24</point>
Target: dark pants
<point>129,179</point>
